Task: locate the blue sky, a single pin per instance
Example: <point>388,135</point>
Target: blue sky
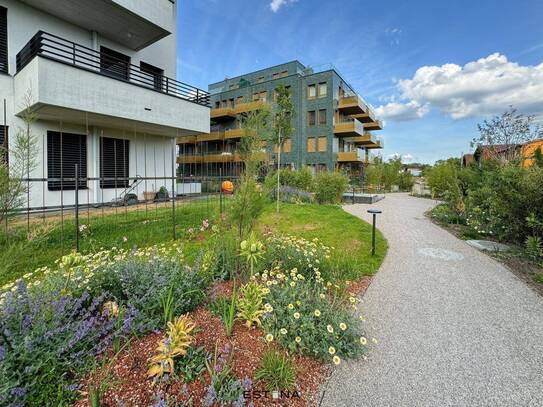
<point>433,69</point>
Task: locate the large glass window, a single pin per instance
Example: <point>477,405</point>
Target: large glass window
<point>311,91</point>
<point>311,118</point>
<point>152,75</point>
<point>64,152</point>
<point>114,64</point>
<point>322,117</point>
<point>322,89</point>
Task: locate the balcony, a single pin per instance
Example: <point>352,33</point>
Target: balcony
<point>374,125</point>
<point>368,140</point>
<point>221,114</point>
<point>352,128</point>
<point>132,23</point>
<point>348,157</point>
<point>213,136</point>
<point>234,134</point>
<point>73,83</point>
<point>352,105</point>
<point>250,106</point>
<point>186,140</point>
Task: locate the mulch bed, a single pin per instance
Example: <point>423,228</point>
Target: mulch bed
<point>128,371</point>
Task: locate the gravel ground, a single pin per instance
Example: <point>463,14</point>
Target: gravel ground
<point>455,327</point>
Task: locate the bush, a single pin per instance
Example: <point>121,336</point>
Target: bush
<point>300,179</point>
<point>330,186</point>
<point>277,371</point>
<point>250,304</point>
<point>49,340</point>
<point>305,317</point>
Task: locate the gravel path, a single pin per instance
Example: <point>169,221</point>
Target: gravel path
<point>455,327</point>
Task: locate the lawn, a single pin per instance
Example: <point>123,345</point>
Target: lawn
<point>50,239</point>
<point>348,234</point>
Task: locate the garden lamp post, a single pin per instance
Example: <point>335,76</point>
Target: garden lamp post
<point>374,212</point>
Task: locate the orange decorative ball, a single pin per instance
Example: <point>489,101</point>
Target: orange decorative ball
<point>227,187</point>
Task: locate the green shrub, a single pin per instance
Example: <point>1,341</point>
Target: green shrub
<point>191,365</point>
<point>307,318</point>
<point>301,179</point>
<point>225,308</point>
<point>444,214</point>
<point>442,176</point>
<point>277,371</point>
<point>250,303</point>
<point>330,186</point>
<point>534,247</point>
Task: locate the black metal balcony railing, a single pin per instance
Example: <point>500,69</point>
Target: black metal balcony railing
<point>67,52</point>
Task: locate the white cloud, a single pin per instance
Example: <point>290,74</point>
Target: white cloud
<point>396,111</point>
<point>486,86</point>
<point>405,158</point>
<point>275,5</point>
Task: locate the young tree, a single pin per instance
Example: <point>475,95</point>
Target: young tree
<point>248,200</point>
<point>17,161</point>
<point>510,129</point>
<point>282,127</point>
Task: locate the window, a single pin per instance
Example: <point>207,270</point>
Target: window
<point>217,104</point>
<point>323,141</point>
<point>114,162</point>
<point>239,99</point>
<point>233,86</point>
<point>311,148</point>
<point>260,79</point>
<point>341,92</point>
<point>311,118</point>
<point>322,89</point>
<point>152,75</point>
<point>311,91</point>
<point>322,116</point>
<point>231,102</point>
<point>64,151</point>
<point>287,146</point>
<point>114,64</point>
<point>263,96</point>
<point>256,96</point>
<point>4,144</point>
<point>3,40</point>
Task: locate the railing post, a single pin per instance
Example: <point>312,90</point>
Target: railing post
<point>167,84</point>
<point>76,207</point>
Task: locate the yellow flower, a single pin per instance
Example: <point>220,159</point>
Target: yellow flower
<point>331,350</point>
<point>336,360</point>
<point>317,313</point>
<point>283,331</point>
<point>292,284</point>
<point>352,300</point>
<point>322,296</point>
<point>268,307</point>
<point>330,328</point>
<point>269,337</point>
<point>363,340</point>
<point>362,318</point>
<point>374,340</point>
<point>296,315</point>
<point>343,326</point>
<point>298,339</point>
<point>290,306</point>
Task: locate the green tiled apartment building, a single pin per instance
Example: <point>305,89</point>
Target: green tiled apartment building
<point>332,124</point>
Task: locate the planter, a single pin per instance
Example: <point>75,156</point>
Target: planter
<point>149,196</point>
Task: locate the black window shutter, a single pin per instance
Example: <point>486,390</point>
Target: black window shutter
<point>4,151</point>
<point>114,164</point>
<point>64,151</point>
<point>3,40</point>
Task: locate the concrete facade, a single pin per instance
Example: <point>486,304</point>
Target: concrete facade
<point>231,93</point>
<point>67,96</point>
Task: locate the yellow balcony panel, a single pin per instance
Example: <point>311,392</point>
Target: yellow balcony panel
<point>250,106</point>
<point>218,158</point>
<point>186,140</point>
<point>260,156</point>
<point>351,128</point>
<point>378,144</point>
<point>374,125</point>
<point>352,105</point>
<point>189,159</point>
<point>349,156</point>
<point>223,113</point>
<point>233,133</point>
<point>213,136</point>
<point>367,117</point>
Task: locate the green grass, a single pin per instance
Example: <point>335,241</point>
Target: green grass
<point>51,240</point>
<point>349,235</point>
<point>539,278</point>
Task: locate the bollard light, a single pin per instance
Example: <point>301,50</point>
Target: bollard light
<point>374,212</point>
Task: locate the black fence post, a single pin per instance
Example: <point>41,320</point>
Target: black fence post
<point>76,207</point>
<point>374,212</point>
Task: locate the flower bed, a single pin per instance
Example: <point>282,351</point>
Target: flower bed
<point>143,327</point>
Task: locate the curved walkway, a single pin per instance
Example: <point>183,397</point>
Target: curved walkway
<point>455,327</point>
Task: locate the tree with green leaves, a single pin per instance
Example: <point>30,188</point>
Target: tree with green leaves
<point>248,201</point>
<point>282,127</point>
<point>17,161</point>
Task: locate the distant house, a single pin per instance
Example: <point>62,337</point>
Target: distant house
<point>528,150</point>
<point>416,172</point>
<point>467,159</point>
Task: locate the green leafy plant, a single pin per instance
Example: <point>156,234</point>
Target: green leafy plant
<point>252,250</point>
<point>225,388</point>
<point>192,365</point>
<point>250,303</point>
<point>277,371</point>
<point>167,302</point>
<point>176,344</point>
<point>225,309</point>
<point>330,186</point>
<point>534,247</point>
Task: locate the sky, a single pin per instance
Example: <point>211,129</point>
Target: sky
<point>432,69</point>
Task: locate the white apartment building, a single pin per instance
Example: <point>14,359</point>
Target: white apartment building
<point>100,76</point>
